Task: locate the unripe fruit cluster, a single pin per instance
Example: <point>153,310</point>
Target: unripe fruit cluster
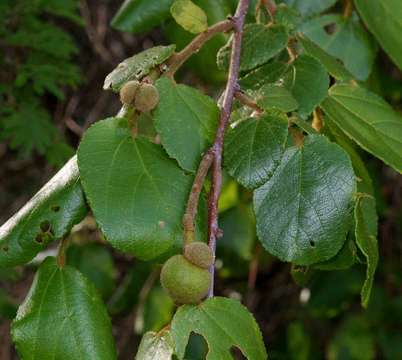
<point>186,277</point>
<point>143,96</point>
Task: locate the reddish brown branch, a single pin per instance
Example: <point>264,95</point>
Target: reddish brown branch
<point>192,203</point>
<point>195,45</point>
<point>217,148</point>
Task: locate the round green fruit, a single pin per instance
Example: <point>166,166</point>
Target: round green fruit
<point>199,254</point>
<point>146,98</point>
<point>185,282</point>
<point>128,92</point>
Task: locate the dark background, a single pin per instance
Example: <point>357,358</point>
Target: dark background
<point>291,328</point>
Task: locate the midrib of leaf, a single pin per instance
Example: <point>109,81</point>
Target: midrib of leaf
<point>109,176</point>
<point>68,319</point>
<point>146,172</point>
<point>365,122</point>
<point>37,336</point>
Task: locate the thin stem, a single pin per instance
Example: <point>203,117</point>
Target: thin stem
<point>192,203</point>
<point>217,148</point>
<point>61,253</point>
<point>347,8</point>
<point>247,101</point>
<point>195,45</point>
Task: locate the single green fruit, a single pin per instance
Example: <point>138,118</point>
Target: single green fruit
<point>146,98</point>
<point>185,282</point>
<point>199,254</point>
<point>128,92</point>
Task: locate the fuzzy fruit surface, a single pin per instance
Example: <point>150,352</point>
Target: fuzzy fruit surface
<point>146,97</point>
<point>128,91</point>
<point>199,254</point>
<point>185,282</point>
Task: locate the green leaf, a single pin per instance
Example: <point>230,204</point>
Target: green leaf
<point>352,341</point>
<point>303,210</point>
<point>238,225</point>
<point>384,20</point>
<point>343,260</point>
<point>136,192</point>
<point>366,238</point>
<point>310,7</point>
<point>308,82</point>
<point>141,15</point>
<point>62,317</point>
<point>277,97</point>
<point>333,65</point>
<point>265,74</point>
<point>346,40</point>
<point>128,290</point>
<point>95,262</point>
<point>368,120</point>
<point>186,121</point>
<point>223,323</point>
<point>137,66</point>
<point>156,312</point>
<point>254,148</point>
<point>299,342</point>
<point>189,16</point>
<point>203,63</point>
<point>260,44</point>
<point>156,346</point>
<point>49,215</point>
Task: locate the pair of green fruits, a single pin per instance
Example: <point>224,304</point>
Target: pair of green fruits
<point>186,277</point>
<point>143,96</point>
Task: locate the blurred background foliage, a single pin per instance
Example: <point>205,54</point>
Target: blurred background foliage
<point>53,59</point>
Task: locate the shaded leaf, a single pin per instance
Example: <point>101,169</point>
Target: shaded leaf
<point>62,317</point>
<point>352,341</point>
<point>366,238</point>
<point>333,65</point>
<point>343,260</point>
<point>141,15</point>
<point>310,7</point>
<point>298,341</point>
<point>368,120</point>
<point>253,149</point>
<point>95,262</point>
<point>136,192</point>
<point>277,97</point>
<point>203,63</point>
<point>189,16</point>
<point>217,320</point>
<point>303,210</point>
<point>308,82</point>
<point>383,18</point>
<point>49,215</point>
<point>260,44</point>
<point>346,40</point>
<point>186,121</point>
<point>265,74</point>
<point>137,66</point>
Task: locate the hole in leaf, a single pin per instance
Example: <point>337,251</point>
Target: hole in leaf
<point>197,347</point>
<point>312,243</point>
<point>236,353</point>
<point>5,248</point>
<point>45,225</point>
<point>330,28</point>
<point>55,208</point>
